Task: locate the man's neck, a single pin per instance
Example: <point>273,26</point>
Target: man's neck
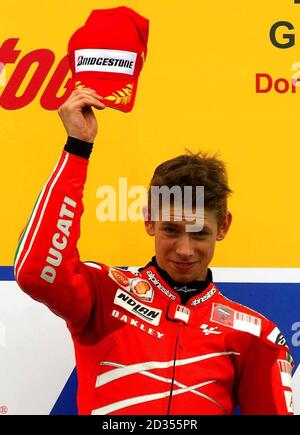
<point>185,290</point>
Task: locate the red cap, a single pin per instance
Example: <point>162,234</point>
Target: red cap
<point>107,54</point>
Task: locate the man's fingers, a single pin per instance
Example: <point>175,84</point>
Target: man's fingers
<point>81,101</point>
<point>93,92</point>
<point>86,96</point>
<point>84,91</point>
<point>84,101</point>
<point>77,114</point>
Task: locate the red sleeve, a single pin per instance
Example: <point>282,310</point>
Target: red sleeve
<point>265,383</point>
<point>47,264</point>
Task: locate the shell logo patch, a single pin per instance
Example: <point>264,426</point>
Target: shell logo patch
<point>142,289</point>
<point>138,287</point>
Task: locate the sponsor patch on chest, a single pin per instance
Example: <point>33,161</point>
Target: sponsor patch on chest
<point>276,337</point>
<point>285,369</point>
<point>236,319</point>
<point>139,287</point>
<point>137,324</point>
<point>288,395</point>
<point>149,314</point>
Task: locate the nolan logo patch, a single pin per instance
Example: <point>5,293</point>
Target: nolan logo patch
<point>135,307</point>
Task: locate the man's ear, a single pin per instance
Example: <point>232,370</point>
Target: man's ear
<point>149,225</point>
<point>224,227</point>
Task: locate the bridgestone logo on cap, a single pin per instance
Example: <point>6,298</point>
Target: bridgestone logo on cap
<point>114,61</point>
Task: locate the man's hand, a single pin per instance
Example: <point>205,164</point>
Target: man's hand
<point>77,115</point>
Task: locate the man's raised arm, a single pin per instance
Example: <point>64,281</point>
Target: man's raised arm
<point>47,264</point>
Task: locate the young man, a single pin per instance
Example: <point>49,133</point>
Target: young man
<point>163,340</point>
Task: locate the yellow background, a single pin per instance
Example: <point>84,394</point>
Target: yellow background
<point>197,90</point>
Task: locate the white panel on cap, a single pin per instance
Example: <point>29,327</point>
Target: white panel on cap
<point>98,60</point>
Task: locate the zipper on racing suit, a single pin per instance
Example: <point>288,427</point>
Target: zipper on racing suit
<point>174,366</point>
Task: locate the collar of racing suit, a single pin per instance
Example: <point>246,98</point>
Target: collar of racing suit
<point>185,290</point>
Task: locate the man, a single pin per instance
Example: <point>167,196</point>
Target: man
<point>162,340</point>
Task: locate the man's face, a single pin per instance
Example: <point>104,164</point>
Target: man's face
<point>185,256</point>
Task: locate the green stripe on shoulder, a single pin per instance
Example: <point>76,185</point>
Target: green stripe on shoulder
<point>25,229</point>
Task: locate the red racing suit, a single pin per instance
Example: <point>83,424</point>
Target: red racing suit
<point>138,349</point>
